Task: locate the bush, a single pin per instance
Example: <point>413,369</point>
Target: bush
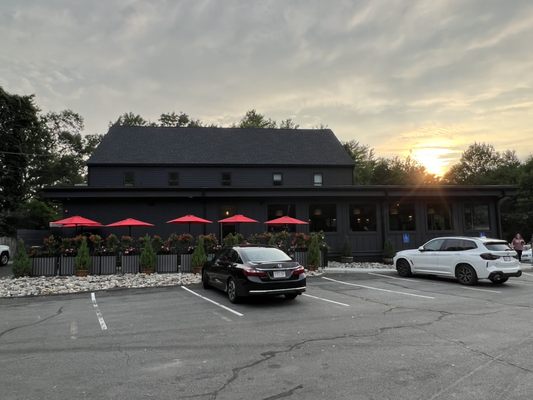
<point>111,243</point>
<point>313,253</point>
<point>198,256</point>
<point>210,242</point>
<point>230,240</point>
<point>82,261</point>
<point>51,245</point>
<point>21,262</point>
<point>157,244</point>
<point>388,249</point>
<point>148,258</point>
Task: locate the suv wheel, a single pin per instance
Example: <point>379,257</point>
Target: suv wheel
<point>231,289</point>
<point>4,258</point>
<point>403,268</point>
<point>465,274</point>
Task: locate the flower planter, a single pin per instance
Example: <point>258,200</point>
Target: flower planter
<point>301,257</point>
<point>82,272</point>
<point>185,262</point>
<point>147,271</point>
<point>103,265</point>
<point>167,263</point>
<point>43,266</point>
<point>130,264</point>
<point>66,265</point>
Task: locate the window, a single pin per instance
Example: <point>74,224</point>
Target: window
<point>317,179</point>
<point>362,217</point>
<point>129,178</point>
<point>323,217</point>
<point>434,245</point>
<point>173,179</point>
<point>459,245</point>
<point>281,210</point>
<point>402,217</point>
<point>226,178</point>
<point>477,217</point>
<point>277,179</point>
<point>439,217</point>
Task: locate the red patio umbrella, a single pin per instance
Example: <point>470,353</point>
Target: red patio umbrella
<point>76,221</point>
<point>129,222</point>
<point>237,219</point>
<point>189,219</point>
<point>286,221</point>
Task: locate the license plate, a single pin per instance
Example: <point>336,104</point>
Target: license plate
<point>279,274</point>
<point>506,258</point>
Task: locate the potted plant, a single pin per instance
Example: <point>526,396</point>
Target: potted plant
<point>67,252</point>
<point>82,260</point>
<point>44,260</point>
<point>148,258</point>
<point>388,252</point>
<point>167,261</point>
<point>198,256</point>
<point>21,262</point>
<point>313,254</point>
<point>346,256</point>
<point>129,260</point>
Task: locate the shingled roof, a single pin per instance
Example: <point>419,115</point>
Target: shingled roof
<point>217,146</point>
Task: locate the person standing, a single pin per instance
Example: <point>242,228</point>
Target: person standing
<point>518,245</point>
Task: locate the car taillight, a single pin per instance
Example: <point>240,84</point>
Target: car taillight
<point>254,272</point>
<point>298,271</point>
<point>489,256</point>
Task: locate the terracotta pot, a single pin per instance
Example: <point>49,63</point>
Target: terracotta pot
<point>147,271</point>
<point>196,270</point>
<point>82,272</point>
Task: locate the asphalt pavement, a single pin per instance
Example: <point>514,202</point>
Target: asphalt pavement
<point>365,335</point>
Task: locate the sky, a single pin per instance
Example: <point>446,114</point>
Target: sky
<point>418,78</point>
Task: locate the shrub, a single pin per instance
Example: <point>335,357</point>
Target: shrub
<point>198,256</point>
<point>230,240</point>
<point>111,243</point>
<point>21,262</point>
<point>210,242</point>
<point>82,261</point>
<point>388,249</point>
<point>300,240</point>
<point>97,243</point>
<point>185,240</point>
<point>173,243</point>
<point>157,243</point>
<point>148,258</point>
<point>51,245</point>
<point>68,247</point>
<point>313,253</point>
<point>127,245</point>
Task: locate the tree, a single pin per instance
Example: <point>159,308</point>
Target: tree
<point>288,124</point>
<point>130,119</point>
<point>364,159</point>
<point>252,119</point>
<point>21,262</point>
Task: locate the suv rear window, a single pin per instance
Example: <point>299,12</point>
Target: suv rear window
<point>264,254</point>
<point>459,245</point>
<point>497,246</point>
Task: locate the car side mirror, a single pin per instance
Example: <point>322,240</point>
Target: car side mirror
<point>421,248</point>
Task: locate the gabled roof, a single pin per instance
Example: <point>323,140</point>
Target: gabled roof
<point>219,146</point>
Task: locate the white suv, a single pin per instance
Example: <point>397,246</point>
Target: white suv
<point>4,254</point>
<point>466,258</point>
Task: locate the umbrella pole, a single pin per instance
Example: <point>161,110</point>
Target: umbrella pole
<point>189,228</point>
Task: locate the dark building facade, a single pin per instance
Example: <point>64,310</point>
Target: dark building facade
<point>157,174</point>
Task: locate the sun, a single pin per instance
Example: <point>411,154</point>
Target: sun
<point>434,159</point>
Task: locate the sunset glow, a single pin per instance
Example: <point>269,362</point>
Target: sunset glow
<point>434,159</point>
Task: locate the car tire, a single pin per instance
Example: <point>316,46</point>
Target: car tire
<point>291,296</point>
<point>231,290</point>
<point>403,268</point>
<point>465,274</point>
<point>205,280</point>
<point>4,258</point>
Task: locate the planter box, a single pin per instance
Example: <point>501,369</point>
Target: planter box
<point>185,262</point>
<point>103,265</point>
<point>167,263</point>
<point>301,257</point>
<point>66,265</point>
<point>130,264</point>
<point>43,266</point>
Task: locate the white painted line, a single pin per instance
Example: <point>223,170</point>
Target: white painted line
<point>480,290</point>
<point>381,290</point>
<point>390,277</point>
<point>214,302</point>
<point>525,273</point>
<point>73,330</point>
<point>329,301</point>
<point>98,313</point>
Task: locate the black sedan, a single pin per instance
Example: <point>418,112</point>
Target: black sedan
<point>254,270</point>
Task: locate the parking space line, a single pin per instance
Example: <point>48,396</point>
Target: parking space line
<point>214,302</point>
<point>379,289</point>
<point>98,313</point>
<point>480,290</point>
<point>390,277</point>
<point>525,273</point>
<point>329,301</point>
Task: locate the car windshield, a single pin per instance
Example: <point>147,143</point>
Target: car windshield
<point>497,246</point>
<point>264,254</point>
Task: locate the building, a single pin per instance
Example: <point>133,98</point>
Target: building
<point>157,174</point>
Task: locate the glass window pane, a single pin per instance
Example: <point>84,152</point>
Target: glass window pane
<point>439,217</point>
<point>226,178</point>
<point>402,217</point>
<point>317,179</point>
<point>477,217</point>
<point>277,178</point>
<point>173,179</point>
<point>434,245</point>
<point>362,217</point>
<point>323,217</point>
<point>129,178</point>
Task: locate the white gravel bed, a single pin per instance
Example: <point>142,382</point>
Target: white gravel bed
<point>17,287</point>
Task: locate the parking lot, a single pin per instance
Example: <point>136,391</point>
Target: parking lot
<point>365,335</point>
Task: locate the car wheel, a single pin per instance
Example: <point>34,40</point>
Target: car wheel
<point>4,258</point>
<point>231,289</point>
<point>465,274</point>
<point>205,280</point>
<point>291,296</point>
<point>403,268</point>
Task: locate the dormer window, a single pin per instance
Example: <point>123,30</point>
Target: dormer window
<point>173,179</point>
<point>317,179</point>
<point>129,178</point>
<point>226,178</point>
<point>277,179</point>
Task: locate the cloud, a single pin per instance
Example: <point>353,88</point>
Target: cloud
<point>394,75</point>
